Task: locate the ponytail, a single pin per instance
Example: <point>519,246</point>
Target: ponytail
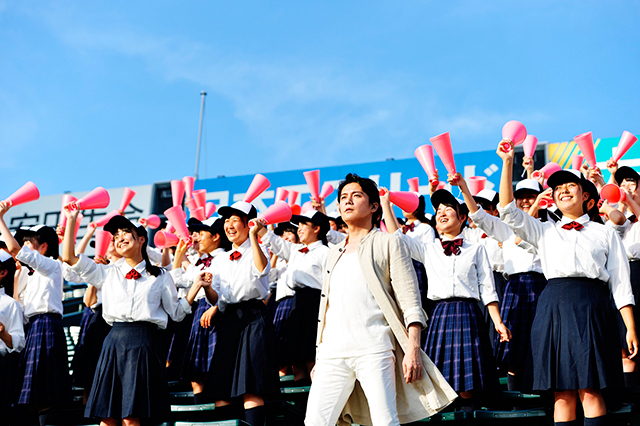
<point>151,268</point>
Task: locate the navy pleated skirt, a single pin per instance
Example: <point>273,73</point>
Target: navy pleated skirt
<point>8,369</point>
<point>635,286</point>
<point>244,361</point>
<point>131,379</point>
<point>201,344</point>
<point>281,324</point>
<point>574,341</point>
<point>43,373</point>
<point>458,343</point>
<point>88,349</point>
<point>517,311</point>
<point>303,326</point>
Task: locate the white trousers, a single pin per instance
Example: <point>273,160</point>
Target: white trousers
<point>334,380</point>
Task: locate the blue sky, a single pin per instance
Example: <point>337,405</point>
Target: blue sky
<point>107,93</point>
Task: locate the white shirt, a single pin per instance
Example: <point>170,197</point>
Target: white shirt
<point>155,256</point>
<point>335,237</point>
<point>275,275</point>
<point>494,251</point>
<point>151,299</point>
<point>518,258</point>
<point>630,234</point>
<point>466,275</point>
<point>13,319</point>
<point>303,269</point>
<point>41,292</point>
<point>594,252</point>
<point>422,232</point>
<point>185,279</point>
<point>354,323</point>
<point>239,280</point>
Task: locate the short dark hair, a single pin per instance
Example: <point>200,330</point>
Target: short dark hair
<point>370,188</point>
<point>48,236</point>
<point>461,211</point>
<point>8,265</point>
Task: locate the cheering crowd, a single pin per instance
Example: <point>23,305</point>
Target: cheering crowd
<point>389,320</point>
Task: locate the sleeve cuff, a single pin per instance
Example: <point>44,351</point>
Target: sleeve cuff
<point>509,208</point>
<point>81,264</point>
<point>186,307</point>
<point>626,301</point>
<point>23,254</point>
<point>415,315</point>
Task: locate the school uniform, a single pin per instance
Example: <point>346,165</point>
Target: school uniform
<point>201,341</point>
<point>304,276</point>
<point>244,361</point>
<point>525,282</point>
<point>13,319</point>
<point>283,301</point>
<point>458,338</point>
<point>130,379</point>
<point>574,344</point>
<point>424,233</point>
<point>43,372</point>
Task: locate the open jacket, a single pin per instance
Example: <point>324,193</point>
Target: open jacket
<point>386,264</point>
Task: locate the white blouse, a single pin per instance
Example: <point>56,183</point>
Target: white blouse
<point>185,279</point>
<point>422,232</point>
<point>518,258</point>
<point>239,280</point>
<point>13,320</point>
<point>41,292</point>
<point>467,275</point>
<point>594,252</point>
<point>303,269</point>
<point>494,251</point>
<point>151,299</point>
<point>275,276</point>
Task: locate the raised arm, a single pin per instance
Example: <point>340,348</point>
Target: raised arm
<point>506,180</point>
<point>259,259</point>
<point>84,242</point>
<point>458,180</point>
<point>12,245</point>
<point>68,250</point>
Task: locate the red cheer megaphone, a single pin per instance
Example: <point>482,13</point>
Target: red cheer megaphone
<point>296,209</point>
<point>27,192</point>
<point>164,239</point>
<point>176,216</point>
<point>626,141</point>
<point>281,194</point>
<point>576,162</point>
<point>424,154</point>
<point>545,204</point>
<point>103,239</point>
<point>414,184</point>
<point>188,181</point>
<point>612,193</point>
<point>209,209</point>
<point>513,134</point>
<point>585,143</point>
<point>106,218</point>
<point>201,197</point>
<point>546,171</point>
<point>442,145</point>
<point>327,189</point>
<point>96,199</point>
<point>127,196</point>
<point>257,187</point>
<point>406,201</point>
<point>529,145</point>
<point>476,184</point>
<point>152,221</point>
<point>177,191</point>
<point>313,182</point>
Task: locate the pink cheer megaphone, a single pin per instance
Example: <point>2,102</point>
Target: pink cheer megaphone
<point>201,197</point>
<point>209,209</point>
<point>169,227</point>
<point>383,227</point>
<point>96,199</point>
<point>441,185</point>
<point>127,196</point>
<point>414,184</point>
<point>476,184</point>
<point>66,199</point>
<point>612,193</point>
<point>585,143</point>
<point>513,134</point>
<point>188,181</point>
<point>199,213</point>
<point>276,213</point>
<point>177,191</point>
<point>576,161</point>
<point>152,221</point>
<point>529,145</point>
<point>106,218</point>
<point>257,187</point>
<point>176,216</point>
<point>442,145</point>
<point>306,207</point>
<point>424,154</point>
<point>546,171</point>
<point>281,194</point>
<point>406,201</point>
<point>327,189</point>
<point>191,204</point>
<point>78,222</point>
<point>27,192</point>
<point>296,209</point>
<point>293,197</point>
<point>545,204</point>
<point>313,182</point>
<point>103,239</point>
<point>626,141</point>
<point>164,239</point>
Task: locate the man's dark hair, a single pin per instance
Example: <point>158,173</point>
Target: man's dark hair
<point>370,188</point>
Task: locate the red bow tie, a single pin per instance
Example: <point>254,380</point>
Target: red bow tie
<point>484,236</point>
<point>452,247</point>
<point>572,225</point>
<point>410,227</point>
<point>633,218</point>
<point>235,255</point>
<point>304,250</point>
<point>206,261</point>
<point>133,275</point>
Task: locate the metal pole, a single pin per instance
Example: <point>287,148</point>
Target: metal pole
<point>203,94</point>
